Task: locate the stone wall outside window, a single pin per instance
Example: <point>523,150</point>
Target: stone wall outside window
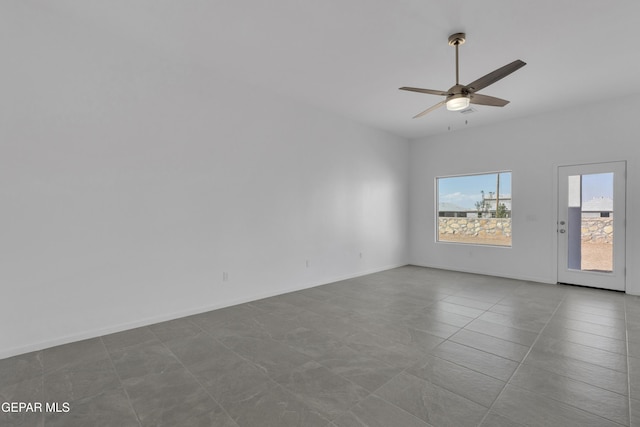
<point>599,230</point>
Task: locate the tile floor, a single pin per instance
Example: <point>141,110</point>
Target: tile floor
<point>406,347</point>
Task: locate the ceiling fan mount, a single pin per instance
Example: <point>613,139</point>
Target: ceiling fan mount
<point>459,96</point>
<point>457,39</point>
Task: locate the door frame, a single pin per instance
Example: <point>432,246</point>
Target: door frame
<point>556,246</point>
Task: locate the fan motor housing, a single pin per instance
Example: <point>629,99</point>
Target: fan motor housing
<point>458,90</point>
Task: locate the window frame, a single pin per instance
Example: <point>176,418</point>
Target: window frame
<point>437,208</point>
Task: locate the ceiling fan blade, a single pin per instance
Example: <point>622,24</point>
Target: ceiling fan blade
<point>429,91</point>
<point>430,109</point>
<point>476,98</point>
<point>494,76</point>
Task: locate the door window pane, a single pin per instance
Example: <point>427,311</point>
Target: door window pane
<point>590,222</point>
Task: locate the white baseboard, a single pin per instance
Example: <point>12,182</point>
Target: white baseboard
<point>545,280</point>
<point>66,339</point>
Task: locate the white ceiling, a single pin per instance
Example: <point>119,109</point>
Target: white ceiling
<point>351,56</point>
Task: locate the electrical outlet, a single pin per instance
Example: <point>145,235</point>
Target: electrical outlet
<point>308,263</point>
<point>360,254</point>
<point>225,276</point>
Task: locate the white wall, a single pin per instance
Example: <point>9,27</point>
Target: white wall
<point>532,148</point>
<point>129,185</point>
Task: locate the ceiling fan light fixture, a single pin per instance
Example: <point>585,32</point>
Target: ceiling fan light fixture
<point>457,103</point>
<point>459,96</point>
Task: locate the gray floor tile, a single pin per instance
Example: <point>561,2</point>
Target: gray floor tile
<point>433,313</point>
<point>601,311</point>
<point>633,348</point>
<point>592,355</point>
<point>633,323</point>
<point>633,330</point>
<point>68,354</point>
<point>21,419</point>
<point>522,312</point>
<point>225,375</point>
<point>178,328</point>
<point>479,295</point>
<point>110,408</point>
<point>374,301</point>
<point>305,298</point>
<point>370,313</point>
<point>469,302</point>
<point>634,377</point>
<point>477,360</point>
<point>493,419</point>
<point>514,321</point>
<point>375,412</point>
<point>274,326</point>
<point>530,304</point>
<point>277,305</point>
<point>634,409</point>
<point>431,325</point>
<point>413,338</point>
<point>435,346</point>
<point>597,319</point>
<point>598,401</point>
<point>80,380</point>
<point>311,342</point>
<point>431,403</point>
<point>596,298</point>
<point>503,332</point>
<point>245,327</point>
<point>273,357</point>
<point>458,309</point>
<point>633,333</point>
<point>195,349</point>
<point>584,338</point>
<point>630,313</point>
<point>331,310</point>
<point>143,359</point>
<point>591,328</point>
<point>473,385</point>
<point>404,303</point>
<point>211,320</point>
<point>540,291</point>
<point>214,418</point>
<point>334,326</point>
<point>121,340</point>
<point>579,370</point>
<point>329,394</point>
<point>392,352</point>
<point>497,346</point>
<point>532,409</point>
<point>270,405</point>
<point>426,294</point>
<point>316,293</point>
<point>167,398</point>
<point>19,368</point>
<point>358,367</point>
<point>449,313</point>
<point>28,391</point>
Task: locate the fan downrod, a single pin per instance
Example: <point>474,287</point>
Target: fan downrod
<point>457,39</point>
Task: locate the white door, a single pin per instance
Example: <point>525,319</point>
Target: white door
<point>591,225</point>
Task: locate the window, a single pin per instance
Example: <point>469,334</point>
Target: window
<point>474,209</point>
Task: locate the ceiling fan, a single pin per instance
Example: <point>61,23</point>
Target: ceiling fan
<point>459,96</point>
